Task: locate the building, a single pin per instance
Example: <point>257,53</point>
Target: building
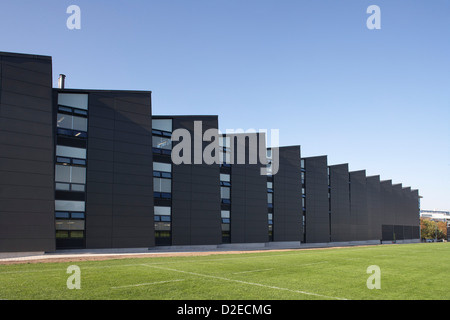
<point>94,169</point>
<point>436,215</point>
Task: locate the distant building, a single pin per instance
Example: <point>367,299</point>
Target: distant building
<point>436,215</point>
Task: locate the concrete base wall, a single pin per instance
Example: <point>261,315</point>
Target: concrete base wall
<point>402,241</point>
<point>6,255</point>
<point>200,248</point>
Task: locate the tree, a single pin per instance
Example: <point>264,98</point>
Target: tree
<point>431,229</point>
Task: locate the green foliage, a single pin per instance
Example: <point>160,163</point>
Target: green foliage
<point>431,229</point>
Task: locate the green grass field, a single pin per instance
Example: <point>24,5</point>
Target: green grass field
<point>407,271</point>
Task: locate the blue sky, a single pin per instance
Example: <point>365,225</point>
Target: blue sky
<point>376,99</point>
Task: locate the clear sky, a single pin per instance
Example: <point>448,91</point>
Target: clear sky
<point>378,100</point>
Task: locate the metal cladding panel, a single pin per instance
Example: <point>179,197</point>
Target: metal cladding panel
<point>26,157</point>
<point>387,203</point>
<point>414,213</point>
<point>374,211</point>
<point>397,204</point>
<point>358,205</point>
<point>340,203</point>
<point>317,206</point>
<point>119,202</point>
<point>287,186</point>
<point>195,190</point>
<point>249,222</point>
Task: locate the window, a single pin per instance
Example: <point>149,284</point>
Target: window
<point>62,215</point>
<point>162,218</point>
<point>74,100</point>
<point>226,232</point>
<point>162,125</point>
<point>162,214</point>
<point>162,226</point>
<point>162,185</point>
<point>225,214</point>
<point>63,205</point>
<point>225,192</point>
<point>73,126</point>
<point>66,224</point>
<point>225,180</point>
<point>269,198</point>
<point>162,211</point>
<point>162,133</point>
<point>163,167</point>
<point>162,188</point>
<point>77,215</point>
<point>70,152</point>
<point>70,174</point>
<point>71,122</point>
<point>70,178</point>
<point>69,225</point>
<point>162,170</point>
<point>161,143</point>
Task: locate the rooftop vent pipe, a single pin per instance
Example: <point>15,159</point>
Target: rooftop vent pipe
<point>62,81</point>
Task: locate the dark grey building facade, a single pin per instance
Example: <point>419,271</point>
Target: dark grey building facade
<point>317,200</point>
<point>339,200</point>
<point>96,169</point>
<point>287,196</point>
<point>26,154</point>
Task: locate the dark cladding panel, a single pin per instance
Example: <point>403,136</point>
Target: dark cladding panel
<point>26,157</point>
<point>249,220</point>
<point>195,190</point>
<point>287,188</point>
<point>358,206</point>
<point>414,210</point>
<point>397,198</point>
<point>317,213</point>
<point>119,206</point>
<point>374,208</point>
<point>340,203</point>
<point>387,203</point>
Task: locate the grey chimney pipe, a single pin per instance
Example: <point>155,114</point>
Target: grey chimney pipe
<point>62,81</point>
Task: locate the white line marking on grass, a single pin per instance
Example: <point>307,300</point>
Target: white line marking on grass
<point>252,271</point>
<point>310,264</point>
<point>146,284</point>
<point>246,282</point>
